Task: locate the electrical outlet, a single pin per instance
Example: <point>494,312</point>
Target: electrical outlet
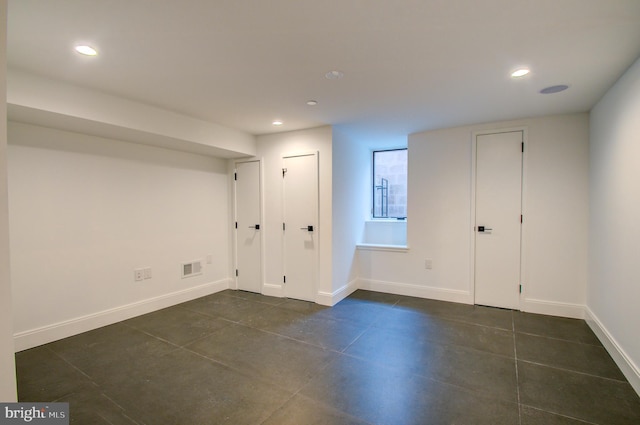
<point>138,275</point>
<point>209,258</point>
<point>428,264</point>
<point>147,273</point>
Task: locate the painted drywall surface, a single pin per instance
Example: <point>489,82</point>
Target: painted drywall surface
<point>440,218</point>
<point>351,194</point>
<point>556,203</point>
<point>63,105</point>
<point>85,212</point>
<point>385,232</point>
<point>352,180</point>
<point>614,287</point>
<point>271,148</point>
<point>7,359</point>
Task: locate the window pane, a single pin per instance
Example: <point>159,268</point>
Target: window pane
<point>390,184</point>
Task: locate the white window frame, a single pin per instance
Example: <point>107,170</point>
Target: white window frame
<point>373,181</point>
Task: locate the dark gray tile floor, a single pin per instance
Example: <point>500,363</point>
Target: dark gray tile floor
<point>242,358</point>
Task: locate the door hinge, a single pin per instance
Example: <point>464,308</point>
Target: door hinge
<point>284,171</point>
<point>521,289</point>
<point>235,176</point>
<point>521,218</point>
<point>284,227</point>
<point>236,224</point>
<point>236,272</point>
<point>284,279</point>
<point>522,146</point>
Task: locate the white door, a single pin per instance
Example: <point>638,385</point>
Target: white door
<point>498,219</point>
<point>300,192</point>
<point>248,227</point>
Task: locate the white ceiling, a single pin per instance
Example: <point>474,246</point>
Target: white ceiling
<point>409,65</point>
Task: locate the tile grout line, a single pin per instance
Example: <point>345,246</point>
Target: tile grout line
<point>159,338</point>
<point>562,415</point>
<point>461,388</point>
<point>269,382</point>
<point>124,411</point>
<point>298,393</point>
<point>98,386</point>
<point>429,378</point>
<point>569,341</point>
<point>515,359</point>
<point>287,337</point>
<point>432,379</point>
<point>278,409</point>
<point>305,318</point>
<point>73,366</point>
<point>371,325</point>
<point>456,345</point>
<point>290,338</point>
<point>242,372</point>
<point>451,319</point>
<point>619,381</point>
<point>343,351</point>
<point>523,409</point>
<point>321,371</point>
<point>239,371</point>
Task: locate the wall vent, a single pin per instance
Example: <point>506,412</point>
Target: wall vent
<point>192,268</point>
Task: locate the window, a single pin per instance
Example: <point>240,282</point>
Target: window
<point>390,184</point>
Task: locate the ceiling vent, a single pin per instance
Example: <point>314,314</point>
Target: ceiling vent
<point>192,268</point>
<point>554,89</point>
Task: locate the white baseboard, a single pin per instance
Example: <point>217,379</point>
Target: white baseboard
<point>272,290</point>
<point>45,334</point>
<point>333,298</point>
<point>419,291</point>
<point>624,362</point>
<point>553,308</point>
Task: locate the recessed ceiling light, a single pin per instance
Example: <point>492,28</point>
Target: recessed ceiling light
<point>277,122</point>
<point>86,50</point>
<point>334,75</point>
<point>312,102</point>
<point>520,72</point>
<point>554,89</point>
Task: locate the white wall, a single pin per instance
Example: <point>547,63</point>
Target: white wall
<point>385,232</point>
<point>556,203</point>
<point>86,211</point>
<point>614,290</point>
<point>440,217</point>
<point>40,101</point>
<point>271,148</point>
<point>437,223</point>
<point>352,180</point>
<point>351,195</point>
<point>7,359</point>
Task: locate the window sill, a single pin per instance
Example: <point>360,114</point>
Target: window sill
<point>381,247</point>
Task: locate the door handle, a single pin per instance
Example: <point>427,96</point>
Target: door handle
<point>482,229</point>
<point>308,228</point>
<point>257,227</point>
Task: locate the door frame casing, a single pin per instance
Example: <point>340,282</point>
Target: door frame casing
<point>472,227</point>
<point>316,273</point>
<point>262,223</point>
